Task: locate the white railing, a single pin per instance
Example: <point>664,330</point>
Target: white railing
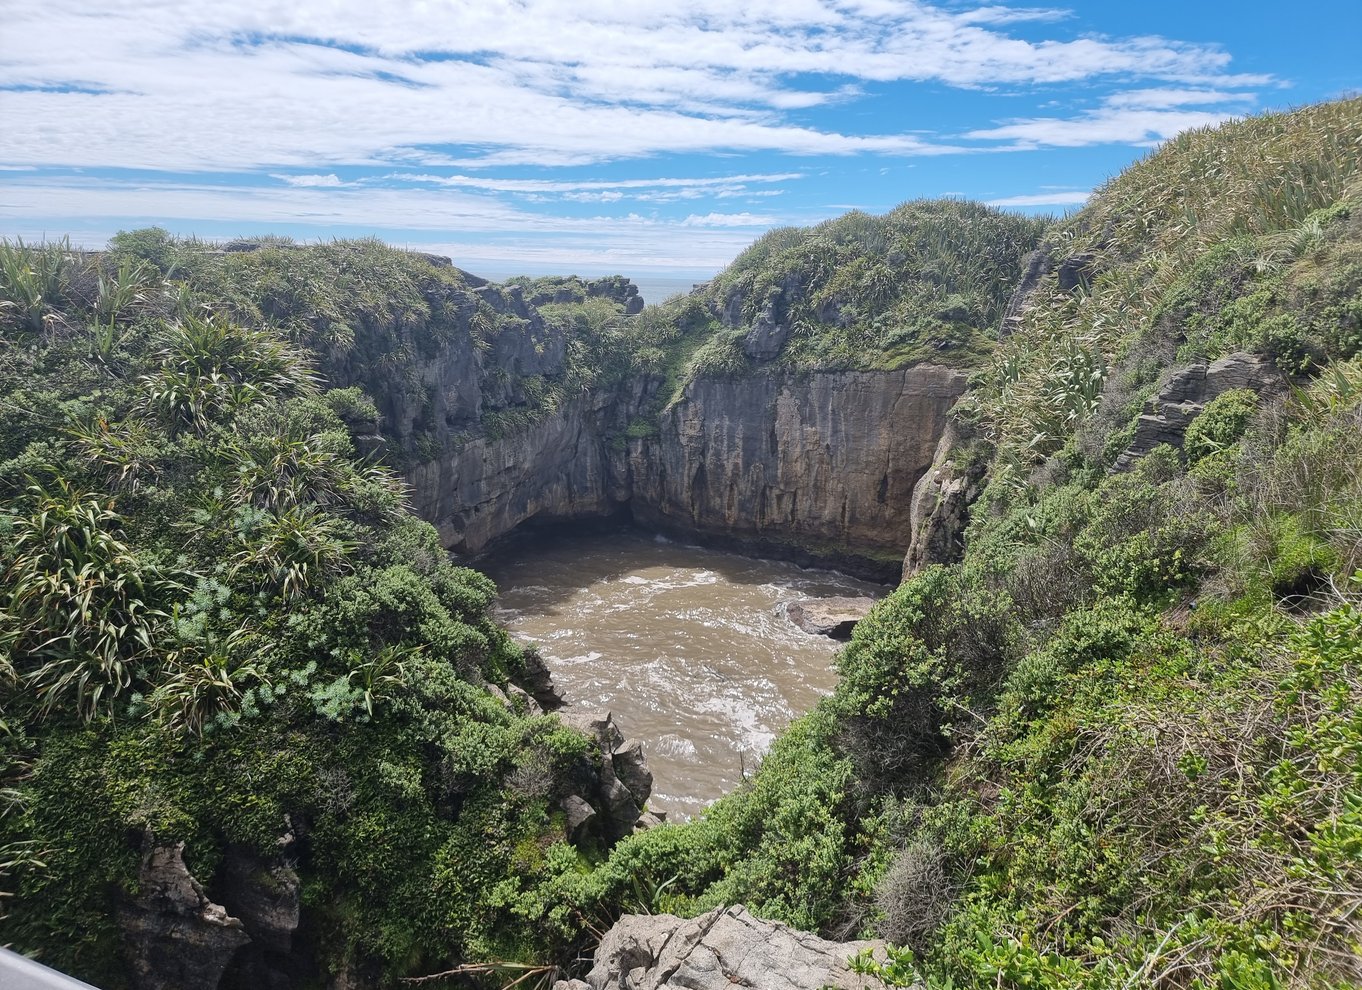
<point>20,973</point>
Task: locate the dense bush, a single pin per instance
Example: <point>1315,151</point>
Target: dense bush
<point>220,627</point>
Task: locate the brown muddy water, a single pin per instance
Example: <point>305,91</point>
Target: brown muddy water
<point>690,648</point>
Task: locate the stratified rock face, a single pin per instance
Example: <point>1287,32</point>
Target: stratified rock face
<point>175,937</point>
<point>1184,395</point>
<point>824,460</point>
<point>818,467</point>
<point>720,950</point>
<point>557,468</point>
<point>831,617</point>
<point>940,507</point>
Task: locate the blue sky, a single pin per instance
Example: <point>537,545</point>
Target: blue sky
<point>652,138</point>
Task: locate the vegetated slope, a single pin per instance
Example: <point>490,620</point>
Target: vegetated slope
<point>220,627</point>
<point>927,281</point>
<point>1213,244</point>
<point>445,354</point>
<point>1118,745</point>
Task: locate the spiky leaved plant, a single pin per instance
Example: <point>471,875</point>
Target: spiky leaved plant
<point>79,611</point>
<point>34,281</point>
<point>211,367</point>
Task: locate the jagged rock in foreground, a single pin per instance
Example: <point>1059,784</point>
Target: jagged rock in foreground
<point>1185,393</point>
<point>176,938</point>
<point>831,617</point>
<point>939,510</point>
<point>722,949</point>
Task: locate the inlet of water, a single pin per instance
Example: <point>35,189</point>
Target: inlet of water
<point>690,648</point>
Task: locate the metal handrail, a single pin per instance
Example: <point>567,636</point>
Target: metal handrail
<point>21,973</point>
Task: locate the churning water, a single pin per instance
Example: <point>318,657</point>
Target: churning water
<point>689,648</point>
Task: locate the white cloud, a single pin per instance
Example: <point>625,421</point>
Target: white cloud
<point>426,117</point>
<point>728,220</point>
<point>185,85</point>
<point>310,181</point>
<point>1043,199</point>
<point>575,185</point>
<point>485,229</point>
<point>1112,125</point>
<point>1152,99</point>
<point>606,196</point>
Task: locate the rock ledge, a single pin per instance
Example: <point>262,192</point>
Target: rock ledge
<point>720,950</point>
<point>831,617</point>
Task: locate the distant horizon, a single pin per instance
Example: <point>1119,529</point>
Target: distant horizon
<point>664,140</point>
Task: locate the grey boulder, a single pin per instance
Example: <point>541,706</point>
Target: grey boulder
<point>722,949</point>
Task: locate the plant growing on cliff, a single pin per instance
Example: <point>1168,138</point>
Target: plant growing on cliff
<point>81,611</point>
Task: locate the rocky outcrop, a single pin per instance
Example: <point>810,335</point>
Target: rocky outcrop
<point>243,937</point>
<point>778,463</point>
<point>615,288</point>
<point>939,510</point>
<point>264,893</point>
<point>175,938</point>
<point>1184,395</point>
<point>1035,266</point>
<point>722,949</point>
<point>831,617</point>
<point>611,789</point>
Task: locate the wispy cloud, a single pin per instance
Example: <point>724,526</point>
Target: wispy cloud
<point>728,220</point>
<point>1043,199</point>
<point>310,181</point>
<point>259,84</point>
<point>489,229</point>
<point>1153,99</point>
<point>501,123</point>
<point>709,183</point>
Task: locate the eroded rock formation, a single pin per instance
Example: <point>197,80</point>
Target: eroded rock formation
<point>824,463</point>
<point>611,790</point>
<point>939,510</point>
<point>722,949</point>
<point>174,936</point>
<point>831,617</point>
<point>1184,395</point>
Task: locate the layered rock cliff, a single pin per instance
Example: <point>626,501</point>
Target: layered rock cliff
<point>548,401</point>
<point>819,466</point>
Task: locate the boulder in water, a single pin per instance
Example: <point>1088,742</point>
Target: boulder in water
<point>831,617</point>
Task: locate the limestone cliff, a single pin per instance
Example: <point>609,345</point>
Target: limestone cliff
<point>819,468</point>
<point>560,467</point>
<point>819,465</point>
<point>497,422</point>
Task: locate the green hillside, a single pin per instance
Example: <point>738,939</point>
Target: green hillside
<point>1118,744</point>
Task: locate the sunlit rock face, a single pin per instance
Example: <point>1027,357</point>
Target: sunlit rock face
<point>824,463</point>
<point>818,467</point>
